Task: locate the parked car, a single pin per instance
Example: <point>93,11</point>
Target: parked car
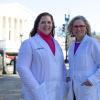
<point>9,60</point>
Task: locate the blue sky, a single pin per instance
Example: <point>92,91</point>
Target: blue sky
<point>88,8</point>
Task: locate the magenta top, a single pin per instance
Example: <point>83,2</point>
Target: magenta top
<point>49,41</point>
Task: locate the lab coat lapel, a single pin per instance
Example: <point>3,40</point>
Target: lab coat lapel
<point>72,49</point>
<point>81,45</point>
<point>43,44</point>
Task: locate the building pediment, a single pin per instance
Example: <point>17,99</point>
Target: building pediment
<point>15,10</point>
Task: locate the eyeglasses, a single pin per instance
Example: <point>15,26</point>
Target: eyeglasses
<point>79,26</point>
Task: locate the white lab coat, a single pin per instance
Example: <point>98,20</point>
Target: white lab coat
<point>42,73</point>
<point>85,64</point>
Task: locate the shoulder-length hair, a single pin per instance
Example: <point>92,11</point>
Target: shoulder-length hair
<point>70,25</point>
<point>36,23</point>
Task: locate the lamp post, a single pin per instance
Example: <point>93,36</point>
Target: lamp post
<point>66,32</point>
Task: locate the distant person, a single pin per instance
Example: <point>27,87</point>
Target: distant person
<point>84,62</point>
<point>40,62</point>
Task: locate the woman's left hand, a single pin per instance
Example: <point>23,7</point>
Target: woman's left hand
<point>87,83</point>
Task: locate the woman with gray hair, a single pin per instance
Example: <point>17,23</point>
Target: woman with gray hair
<point>84,62</point>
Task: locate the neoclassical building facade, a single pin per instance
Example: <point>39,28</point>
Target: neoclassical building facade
<point>16,23</point>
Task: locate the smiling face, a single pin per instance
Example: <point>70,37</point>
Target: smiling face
<point>79,29</point>
<point>45,25</point>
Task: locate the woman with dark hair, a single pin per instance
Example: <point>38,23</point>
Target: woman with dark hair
<point>40,63</point>
<point>34,30</point>
<point>84,61</point>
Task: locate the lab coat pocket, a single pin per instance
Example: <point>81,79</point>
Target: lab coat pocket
<point>86,89</point>
<point>56,90</point>
<point>40,93</point>
<point>90,92</point>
